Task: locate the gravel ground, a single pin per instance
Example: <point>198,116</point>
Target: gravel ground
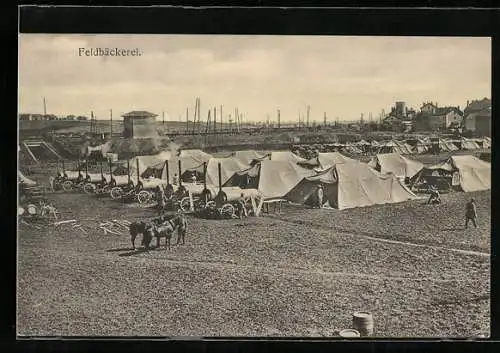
<point>275,275</point>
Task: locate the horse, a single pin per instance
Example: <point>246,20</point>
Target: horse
<point>164,228</point>
<point>140,227</point>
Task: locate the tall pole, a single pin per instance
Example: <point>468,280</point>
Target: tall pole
<point>215,120</point>
<point>215,125</point>
<point>308,109</point>
<point>324,119</point>
<point>187,120</point>
<point>168,172</point>
<point>44,109</point>
<point>220,176</point>
<point>204,175</point>
<point>221,124</point>
<point>279,122</point>
<point>236,118</point>
<point>163,118</point>
<point>128,171</point>
<point>207,129</point>
<point>137,166</point>
<point>91,122</point>
<point>110,123</point>
<point>199,113</point>
<point>194,114</point>
<point>180,179</point>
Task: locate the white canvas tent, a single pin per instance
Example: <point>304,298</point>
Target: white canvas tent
<point>26,181</point>
<point>273,179</point>
<point>327,159</point>
<point>474,174</point>
<point>286,156</point>
<point>248,157</point>
<point>394,147</point>
<point>396,164</point>
<point>349,185</point>
<point>229,166</point>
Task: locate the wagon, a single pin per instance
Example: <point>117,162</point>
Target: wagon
<point>225,202</point>
<point>147,191</point>
<point>67,180</point>
<point>95,183</point>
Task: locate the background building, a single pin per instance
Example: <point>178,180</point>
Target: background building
<point>139,124</point>
<point>478,117</point>
<point>434,118</point>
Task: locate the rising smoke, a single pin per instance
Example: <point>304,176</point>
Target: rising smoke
<point>148,146</point>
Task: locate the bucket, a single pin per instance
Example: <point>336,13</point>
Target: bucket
<point>363,322</point>
<point>349,333</point>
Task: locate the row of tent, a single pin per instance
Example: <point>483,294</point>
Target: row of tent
<point>347,182</point>
<point>405,147</point>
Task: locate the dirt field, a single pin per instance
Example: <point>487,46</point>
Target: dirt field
<point>298,273</point>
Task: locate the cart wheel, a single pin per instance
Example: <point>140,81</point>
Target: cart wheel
<point>56,184</point>
<point>32,210</point>
<point>67,185</point>
<point>20,211</point>
<point>185,205</point>
<point>89,188</point>
<point>210,204</point>
<point>144,196</point>
<point>227,210</point>
<point>116,193</point>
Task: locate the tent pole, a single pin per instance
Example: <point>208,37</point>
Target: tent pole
<point>220,176</point>
<point>204,175</point>
<point>180,179</point>
<point>138,175</point>
<point>168,172</point>
<point>128,170</point>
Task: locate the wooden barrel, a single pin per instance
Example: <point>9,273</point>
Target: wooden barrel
<point>349,333</point>
<point>362,321</point>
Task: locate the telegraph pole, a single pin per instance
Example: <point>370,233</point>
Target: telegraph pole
<point>308,109</point>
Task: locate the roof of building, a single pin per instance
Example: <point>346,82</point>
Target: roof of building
<point>139,114</point>
<point>478,105</point>
<point>428,103</point>
<point>446,110</point>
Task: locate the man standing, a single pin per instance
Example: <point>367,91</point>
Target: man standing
<point>471,213</point>
<point>242,209</point>
<point>175,180</point>
<point>320,196</point>
<point>435,198</point>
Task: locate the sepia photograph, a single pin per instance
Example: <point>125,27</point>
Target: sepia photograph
<point>253,185</point>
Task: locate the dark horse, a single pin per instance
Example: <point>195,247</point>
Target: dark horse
<point>164,228</point>
<point>140,227</point>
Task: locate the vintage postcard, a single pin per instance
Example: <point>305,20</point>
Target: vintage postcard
<point>254,185</point>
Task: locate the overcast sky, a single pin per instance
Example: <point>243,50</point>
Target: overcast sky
<point>342,76</point>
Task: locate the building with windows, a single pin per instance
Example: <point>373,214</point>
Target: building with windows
<point>478,117</point>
